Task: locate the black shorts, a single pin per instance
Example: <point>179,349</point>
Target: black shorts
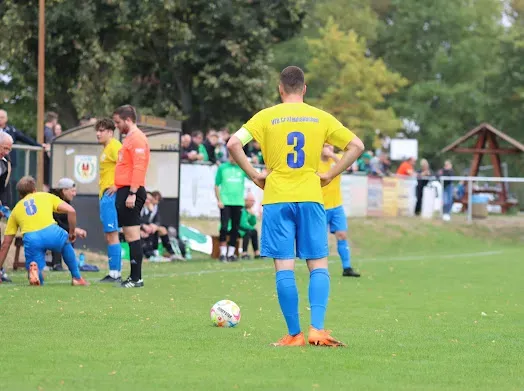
<point>129,217</point>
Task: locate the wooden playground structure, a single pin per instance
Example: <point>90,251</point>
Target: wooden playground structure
<point>487,143</point>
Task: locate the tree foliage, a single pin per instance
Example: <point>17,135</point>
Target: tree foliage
<point>207,62</point>
<point>352,85</point>
<point>80,54</point>
<point>447,49</point>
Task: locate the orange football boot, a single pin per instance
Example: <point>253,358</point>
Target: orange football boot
<point>34,278</point>
<point>79,282</point>
<point>291,340</point>
<point>322,338</point>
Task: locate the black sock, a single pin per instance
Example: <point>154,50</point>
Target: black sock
<point>136,254</point>
<point>167,244</point>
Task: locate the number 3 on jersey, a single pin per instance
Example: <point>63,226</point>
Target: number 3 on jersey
<point>297,158</point>
<point>30,207</point>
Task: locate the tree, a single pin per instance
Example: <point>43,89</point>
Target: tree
<point>350,15</point>
<point>352,85</point>
<point>446,49</point>
<point>81,59</point>
<point>206,61</point>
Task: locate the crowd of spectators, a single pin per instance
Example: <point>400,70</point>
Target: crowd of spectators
<point>211,148</point>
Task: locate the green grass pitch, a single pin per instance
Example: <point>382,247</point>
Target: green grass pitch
<point>435,309</point>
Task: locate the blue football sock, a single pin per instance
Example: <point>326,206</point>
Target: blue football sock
<point>344,252</point>
<point>318,296</point>
<point>288,299</point>
<point>114,253</point>
<point>68,253</point>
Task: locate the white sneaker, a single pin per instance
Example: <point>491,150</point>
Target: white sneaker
<point>446,217</point>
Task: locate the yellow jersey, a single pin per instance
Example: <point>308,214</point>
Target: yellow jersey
<point>33,213</point>
<point>108,160</point>
<point>291,136</point>
<point>332,193</point>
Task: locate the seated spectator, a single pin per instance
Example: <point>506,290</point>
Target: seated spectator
<point>151,229</point>
<point>221,151</point>
<point>363,163</point>
<point>407,168</point>
<point>248,230</point>
<point>197,138</point>
<point>254,152</point>
<point>209,145</point>
<point>379,165</point>
<point>173,234</point>
<point>65,190</point>
<point>385,163</point>
<point>189,149</point>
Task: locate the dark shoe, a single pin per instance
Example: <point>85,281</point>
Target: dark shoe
<point>223,258</point>
<point>246,256</point>
<point>232,258</point>
<point>129,283</point>
<point>58,268</point>
<point>110,279</point>
<point>349,272</point>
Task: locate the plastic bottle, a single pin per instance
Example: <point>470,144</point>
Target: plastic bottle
<point>188,249</point>
<point>81,259</point>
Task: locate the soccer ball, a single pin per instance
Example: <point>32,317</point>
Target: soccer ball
<point>225,313</point>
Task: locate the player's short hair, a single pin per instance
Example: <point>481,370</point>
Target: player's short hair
<point>25,186</point>
<point>156,194</point>
<point>51,116</point>
<point>106,124</point>
<point>126,112</point>
<point>292,80</point>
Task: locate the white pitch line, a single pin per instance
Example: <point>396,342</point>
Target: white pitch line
<point>299,264</point>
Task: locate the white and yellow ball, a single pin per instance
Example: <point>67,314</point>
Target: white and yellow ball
<point>225,313</point>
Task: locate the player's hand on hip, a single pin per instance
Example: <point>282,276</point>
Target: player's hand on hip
<point>325,179</point>
<point>130,201</point>
<point>260,178</point>
<point>111,190</point>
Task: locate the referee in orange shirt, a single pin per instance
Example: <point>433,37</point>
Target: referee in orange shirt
<point>130,176</point>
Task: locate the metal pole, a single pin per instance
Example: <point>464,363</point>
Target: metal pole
<point>441,197</point>
<point>27,162</point>
<point>41,86</point>
<point>505,173</point>
<point>470,201</point>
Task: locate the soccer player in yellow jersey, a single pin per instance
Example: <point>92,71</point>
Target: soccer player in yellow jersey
<point>292,135</point>
<point>33,214</point>
<point>105,129</point>
<point>336,218</point>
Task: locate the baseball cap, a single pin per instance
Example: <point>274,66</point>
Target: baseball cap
<point>65,183</point>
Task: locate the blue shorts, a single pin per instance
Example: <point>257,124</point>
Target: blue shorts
<point>294,225</point>
<point>37,243</point>
<point>108,215</point>
<point>336,219</point>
